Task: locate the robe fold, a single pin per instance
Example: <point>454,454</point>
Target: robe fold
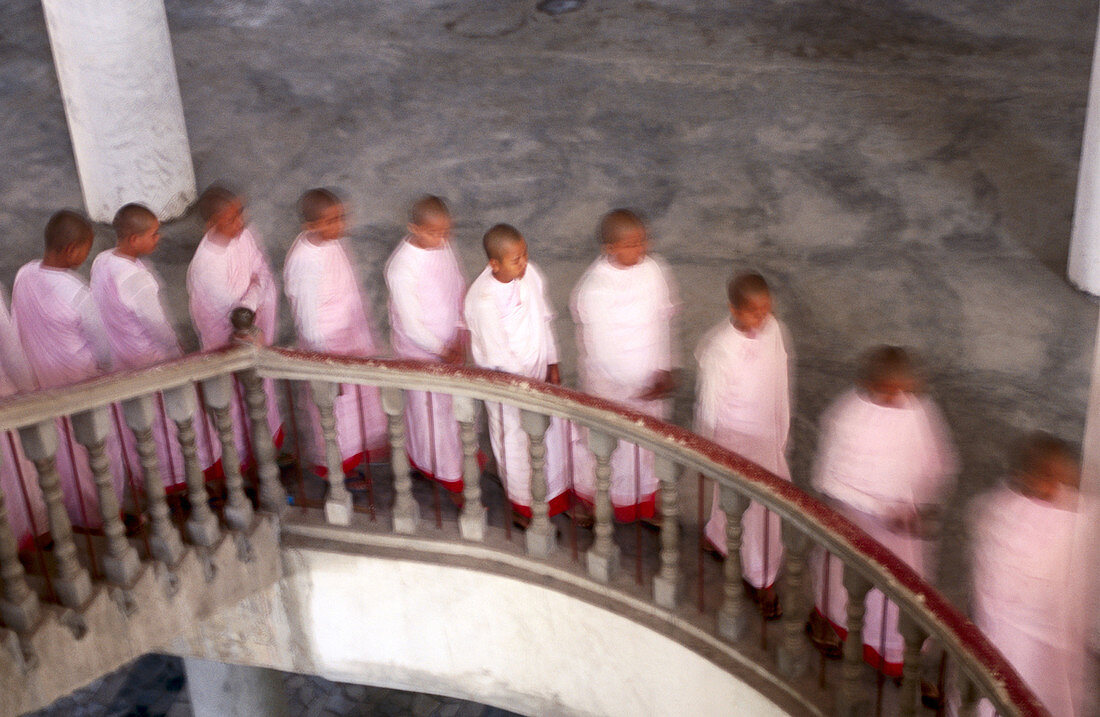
<point>426,290</point>
<point>18,480</point>
<point>220,278</point>
<point>625,335</point>
<point>743,402</point>
<point>511,330</point>
<point>874,461</point>
<point>330,317</point>
<point>65,342</point>
<point>1032,592</point>
<point>127,293</point>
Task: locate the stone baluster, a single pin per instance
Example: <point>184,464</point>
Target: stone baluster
<point>852,697</point>
<point>181,407</point>
<point>272,493</point>
<point>968,693</point>
<point>666,581</point>
<point>541,536</point>
<point>792,653</point>
<point>338,501</point>
<point>218,392</point>
<point>914,636</point>
<point>603,557</point>
<point>406,512</point>
<point>72,584</point>
<point>733,615</point>
<point>19,605</point>
<point>474,519</point>
<point>164,540</point>
<point>121,563</point>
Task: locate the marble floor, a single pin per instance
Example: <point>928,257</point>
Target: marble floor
<point>902,172</point>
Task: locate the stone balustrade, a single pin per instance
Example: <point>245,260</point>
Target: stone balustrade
<point>106,596</point>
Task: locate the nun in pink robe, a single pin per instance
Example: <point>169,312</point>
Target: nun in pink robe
<point>127,293</point>
<point>426,290</point>
<point>18,479</point>
<point>743,402</point>
<point>223,275</point>
<point>624,318</point>
<point>874,462</point>
<point>330,317</point>
<point>1032,591</point>
<point>65,343</point>
<point>510,330</point>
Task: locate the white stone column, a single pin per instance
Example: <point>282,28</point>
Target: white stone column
<point>1084,245</point>
<point>218,689</point>
<point>122,101</point>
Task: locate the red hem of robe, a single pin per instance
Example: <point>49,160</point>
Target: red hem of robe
<point>870,655</point>
<point>647,508</point>
<point>454,486</point>
<point>375,455</point>
<point>557,504</point>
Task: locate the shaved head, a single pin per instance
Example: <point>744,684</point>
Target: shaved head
<point>745,286</point>
<point>616,221</point>
<point>316,202</point>
<point>133,219</point>
<point>883,363</point>
<point>67,228</point>
<point>498,238</point>
<point>427,206</point>
<point>214,199</point>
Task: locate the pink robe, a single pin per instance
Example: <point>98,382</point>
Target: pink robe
<point>624,318</point>
<point>65,343</point>
<point>510,330</point>
<point>1031,592</point>
<point>222,277</point>
<point>744,403</point>
<point>330,318</point>
<point>127,294</point>
<point>22,497</point>
<point>426,291</point>
<point>874,460</point>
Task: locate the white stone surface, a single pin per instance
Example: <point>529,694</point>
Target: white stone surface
<point>218,689</point>
<point>1084,247</point>
<point>500,641</point>
<point>122,102</point>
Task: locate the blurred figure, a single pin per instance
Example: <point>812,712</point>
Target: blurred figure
<point>1031,590</point>
<point>329,314</point>
<point>510,321</point>
<point>426,290</point>
<point>885,460</point>
<point>18,479</point>
<point>624,308</point>
<point>127,292</point>
<point>229,270</point>
<point>744,403</point>
<point>63,336</point>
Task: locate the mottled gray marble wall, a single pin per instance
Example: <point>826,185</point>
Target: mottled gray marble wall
<point>902,172</point>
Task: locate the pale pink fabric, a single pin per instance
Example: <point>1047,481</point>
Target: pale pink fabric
<point>127,293</point>
<point>511,330</point>
<point>874,461</point>
<point>625,333</point>
<point>743,402</point>
<point>426,290</point>
<point>1031,592</point>
<point>330,317</point>
<point>222,276</point>
<point>65,342</point>
<point>22,498</point>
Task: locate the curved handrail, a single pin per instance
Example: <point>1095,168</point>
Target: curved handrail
<point>982,662</point>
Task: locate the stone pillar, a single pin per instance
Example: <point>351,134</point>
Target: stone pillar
<point>1084,246</point>
<point>218,689</point>
<point>122,102</point>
